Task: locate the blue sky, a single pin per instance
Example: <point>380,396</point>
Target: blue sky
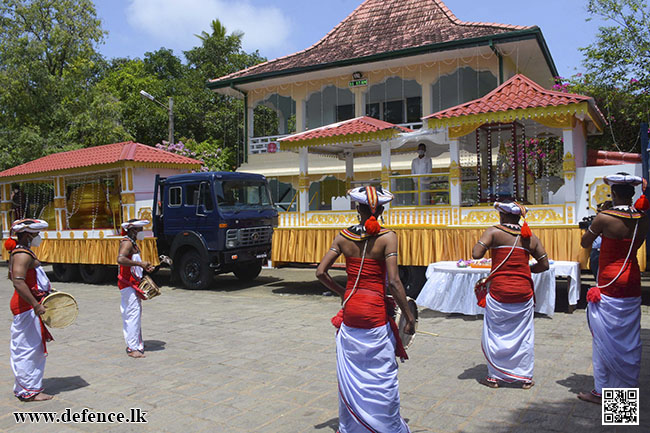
<point>280,27</point>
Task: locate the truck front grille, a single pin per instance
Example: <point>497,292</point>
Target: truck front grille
<point>248,237</point>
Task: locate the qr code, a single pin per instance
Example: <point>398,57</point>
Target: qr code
<point>620,406</point>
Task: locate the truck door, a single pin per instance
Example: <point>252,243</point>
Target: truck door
<point>174,211</point>
<point>207,218</point>
<point>200,211</point>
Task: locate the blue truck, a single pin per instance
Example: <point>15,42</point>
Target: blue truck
<point>213,223</point>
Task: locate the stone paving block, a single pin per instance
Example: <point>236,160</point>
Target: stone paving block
<point>241,363</point>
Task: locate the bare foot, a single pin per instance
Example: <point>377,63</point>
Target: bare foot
<point>41,396</point>
<point>136,354</point>
<point>489,383</point>
<point>587,396</point>
<point>528,385</point>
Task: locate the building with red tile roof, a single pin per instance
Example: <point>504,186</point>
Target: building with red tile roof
<point>519,98</point>
<point>382,29</point>
<point>101,157</point>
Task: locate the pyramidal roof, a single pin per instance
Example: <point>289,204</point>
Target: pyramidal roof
<point>101,155</point>
<point>519,92</point>
<point>377,27</point>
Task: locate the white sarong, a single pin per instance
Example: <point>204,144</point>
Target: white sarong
<point>508,340</point>
<point>367,374</point>
<point>27,354</point>
<point>615,325</point>
<point>131,308</point>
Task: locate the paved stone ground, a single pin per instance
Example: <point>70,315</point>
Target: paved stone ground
<point>261,358</point>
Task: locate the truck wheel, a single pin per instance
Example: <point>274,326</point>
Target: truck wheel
<point>195,274</point>
<point>92,274</point>
<point>65,272</point>
<point>247,272</point>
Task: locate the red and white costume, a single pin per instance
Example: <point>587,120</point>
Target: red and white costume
<point>28,333</point>
<point>615,321</point>
<point>128,281</point>
<point>508,330</point>
<point>367,341</point>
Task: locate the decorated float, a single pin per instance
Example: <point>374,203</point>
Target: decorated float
<point>85,195</point>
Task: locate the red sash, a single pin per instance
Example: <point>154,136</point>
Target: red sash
<point>18,305</point>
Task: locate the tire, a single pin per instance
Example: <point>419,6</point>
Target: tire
<point>247,271</point>
<point>195,274</point>
<point>92,274</point>
<point>65,272</point>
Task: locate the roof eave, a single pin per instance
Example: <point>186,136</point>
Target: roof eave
<point>524,34</point>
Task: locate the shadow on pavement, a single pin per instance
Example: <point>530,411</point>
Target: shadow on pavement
<point>55,385</point>
<point>313,287</point>
<point>332,423</point>
<point>577,383</point>
<point>154,345</point>
<point>476,373</point>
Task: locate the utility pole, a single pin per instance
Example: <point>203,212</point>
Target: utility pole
<point>171,120</point>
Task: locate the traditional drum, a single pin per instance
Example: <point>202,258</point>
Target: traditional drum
<point>60,310</point>
<point>148,288</point>
<point>400,320</point>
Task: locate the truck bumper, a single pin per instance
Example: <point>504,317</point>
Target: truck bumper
<point>230,258</point>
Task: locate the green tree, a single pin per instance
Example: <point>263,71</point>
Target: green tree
<point>48,66</point>
<point>618,71</point>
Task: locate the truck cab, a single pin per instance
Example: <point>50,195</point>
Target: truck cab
<point>213,223</point>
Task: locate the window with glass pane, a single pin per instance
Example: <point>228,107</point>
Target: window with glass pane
<point>394,111</point>
<point>413,109</point>
<point>344,112</point>
<point>372,110</point>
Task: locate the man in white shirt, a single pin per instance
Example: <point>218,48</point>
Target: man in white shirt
<point>422,165</point>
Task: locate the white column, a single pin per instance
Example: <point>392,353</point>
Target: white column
<point>385,164</point>
<point>454,173</point>
<point>301,114</point>
<point>349,169</point>
<point>569,169</point>
<point>359,101</point>
<point>127,194</point>
<point>5,207</point>
<point>303,181</point>
<point>427,98</point>
<point>250,113</point>
<point>60,210</point>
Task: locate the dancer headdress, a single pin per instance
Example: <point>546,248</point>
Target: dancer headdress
<point>628,179</point>
<point>373,198</point>
<point>27,225</point>
<point>515,208</point>
<point>622,179</point>
<point>134,223</point>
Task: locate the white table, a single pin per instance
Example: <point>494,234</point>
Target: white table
<point>450,289</point>
<point>570,270</point>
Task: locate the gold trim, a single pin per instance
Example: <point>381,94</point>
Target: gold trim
<point>128,198</point>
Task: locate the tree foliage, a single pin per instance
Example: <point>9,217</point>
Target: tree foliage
<point>617,74</point>
<point>58,93</point>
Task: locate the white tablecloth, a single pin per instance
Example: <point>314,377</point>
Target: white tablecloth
<point>570,270</point>
<point>450,289</point>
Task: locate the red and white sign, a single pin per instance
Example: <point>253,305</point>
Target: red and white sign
<point>272,147</point>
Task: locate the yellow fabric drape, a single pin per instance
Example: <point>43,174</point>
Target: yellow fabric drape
<point>88,251</point>
<point>422,246</point>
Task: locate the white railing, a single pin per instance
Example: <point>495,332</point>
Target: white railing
<point>412,125</point>
<point>260,144</point>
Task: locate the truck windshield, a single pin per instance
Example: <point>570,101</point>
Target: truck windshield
<point>239,194</point>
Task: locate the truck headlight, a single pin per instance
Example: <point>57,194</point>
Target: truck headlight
<point>231,243</point>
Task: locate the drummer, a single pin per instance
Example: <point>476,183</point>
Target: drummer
<point>128,280</point>
<point>28,334</point>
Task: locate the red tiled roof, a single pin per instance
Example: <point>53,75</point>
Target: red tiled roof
<point>603,157</point>
<point>381,26</point>
<point>358,125</point>
<point>100,155</point>
<point>519,92</point>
